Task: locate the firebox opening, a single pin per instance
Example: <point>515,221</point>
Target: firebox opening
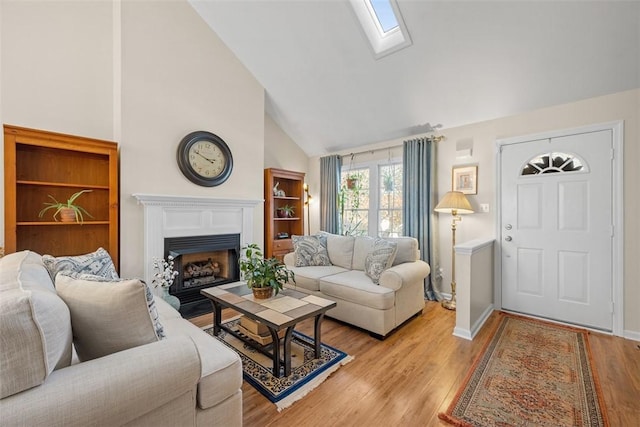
<point>202,262</point>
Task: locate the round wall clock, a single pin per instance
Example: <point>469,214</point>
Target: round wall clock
<point>204,158</point>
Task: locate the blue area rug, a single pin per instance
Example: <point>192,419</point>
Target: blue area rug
<point>306,371</point>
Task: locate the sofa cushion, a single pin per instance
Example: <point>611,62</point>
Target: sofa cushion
<point>221,367</point>
<point>408,250</point>
<point>340,250</point>
<point>354,286</point>
<point>107,317</point>
<point>363,245</point>
<point>380,258</point>
<point>310,251</point>
<point>151,301</point>
<point>35,327</point>
<point>309,277</point>
<point>28,265</point>
<point>98,263</point>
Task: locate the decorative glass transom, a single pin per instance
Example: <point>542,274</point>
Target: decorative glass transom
<point>553,163</point>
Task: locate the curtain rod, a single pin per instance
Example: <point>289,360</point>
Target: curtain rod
<point>435,138</point>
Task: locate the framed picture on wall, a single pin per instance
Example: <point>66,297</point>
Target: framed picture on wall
<point>465,179</point>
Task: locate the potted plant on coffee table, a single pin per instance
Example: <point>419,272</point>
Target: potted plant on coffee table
<point>263,275</point>
<point>69,211</point>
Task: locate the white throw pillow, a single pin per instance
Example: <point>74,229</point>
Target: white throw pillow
<point>340,249</point>
<point>380,258</point>
<point>97,263</point>
<point>35,327</point>
<point>310,251</point>
<point>107,317</point>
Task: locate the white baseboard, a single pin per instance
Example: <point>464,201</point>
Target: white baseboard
<point>462,333</point>
<point>475,328</point>
<point>481,320</point>
<point>631,335</point>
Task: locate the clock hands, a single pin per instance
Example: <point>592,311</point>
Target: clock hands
<point>206,158</point>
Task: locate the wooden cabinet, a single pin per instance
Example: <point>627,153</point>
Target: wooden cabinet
<point>40,163</point>
<point>289,192</point>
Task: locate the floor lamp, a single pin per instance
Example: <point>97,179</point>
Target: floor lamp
<point>455,203</point>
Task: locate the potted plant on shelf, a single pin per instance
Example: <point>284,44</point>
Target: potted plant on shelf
<point>285,211</point>
<point>69,211</point>
<point>263,275</point>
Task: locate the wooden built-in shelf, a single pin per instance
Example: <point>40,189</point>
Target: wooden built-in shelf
<point>63,184</point>
<point>39,164</point>
<point>57,223</point>
<point>292,183</point>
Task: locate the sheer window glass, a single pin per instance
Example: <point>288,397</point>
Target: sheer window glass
<point>354,201</point>
<point>370,200</point>
<point>390,200</point>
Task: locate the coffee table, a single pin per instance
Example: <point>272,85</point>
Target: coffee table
<point>280,312</point>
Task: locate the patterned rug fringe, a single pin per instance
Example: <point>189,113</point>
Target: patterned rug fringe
<point>282,392</point>
<point>308,387</point>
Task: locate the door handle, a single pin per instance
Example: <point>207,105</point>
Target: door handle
<point>508,238</point>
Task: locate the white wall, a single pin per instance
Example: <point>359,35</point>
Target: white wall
<point>178,77</point>
<point>621,106</point>
<point>56,69</point>
<point>280,151</point>
<point>143,74</point>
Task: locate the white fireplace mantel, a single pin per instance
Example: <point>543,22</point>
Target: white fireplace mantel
<point>180,216</point>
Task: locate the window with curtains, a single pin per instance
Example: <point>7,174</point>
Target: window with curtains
<point>370,199</point>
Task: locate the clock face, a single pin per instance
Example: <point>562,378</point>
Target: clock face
<point>204,158</point>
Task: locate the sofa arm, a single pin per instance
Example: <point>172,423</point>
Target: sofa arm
<point>408,272</point>
<point>111,390</point>
<point>290,259</point>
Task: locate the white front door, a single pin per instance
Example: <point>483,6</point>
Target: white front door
<point>556,228</point>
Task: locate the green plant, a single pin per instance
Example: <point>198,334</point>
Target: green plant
<point>69,204</point>
<point>387,182</point>
<point>348,205</point>
<point>260,272</point>
<point>287,211</point>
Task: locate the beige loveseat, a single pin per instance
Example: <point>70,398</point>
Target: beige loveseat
<point>378,307</point>
<point>185,379</point>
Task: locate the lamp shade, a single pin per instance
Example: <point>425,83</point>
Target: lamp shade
<point>454,201</point>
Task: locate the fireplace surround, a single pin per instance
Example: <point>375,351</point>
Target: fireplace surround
<point>170,216</point>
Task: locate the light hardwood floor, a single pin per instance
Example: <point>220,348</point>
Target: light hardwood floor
<point>408,378</point>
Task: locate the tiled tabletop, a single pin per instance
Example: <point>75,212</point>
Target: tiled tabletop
<point>289,306</point>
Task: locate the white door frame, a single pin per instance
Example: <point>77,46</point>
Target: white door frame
<point>617,259</point>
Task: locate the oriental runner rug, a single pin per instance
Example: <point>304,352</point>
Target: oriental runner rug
<point>307,372</point>
<point>530,373</point>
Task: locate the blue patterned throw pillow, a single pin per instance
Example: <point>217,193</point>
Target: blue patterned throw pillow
<point>380,258</point>
<point>310,251</point>
<point>97,263</point>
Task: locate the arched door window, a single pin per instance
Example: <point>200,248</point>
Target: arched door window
<point>554,162</point>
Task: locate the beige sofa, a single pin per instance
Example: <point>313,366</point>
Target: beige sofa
<point>378,308</point>
<point>186,378</point>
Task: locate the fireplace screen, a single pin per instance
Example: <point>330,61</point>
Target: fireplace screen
<point>202,262</point>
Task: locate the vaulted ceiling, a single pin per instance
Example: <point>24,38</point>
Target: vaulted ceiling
<point>469,61</point>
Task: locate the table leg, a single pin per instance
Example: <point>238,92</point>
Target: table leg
<point>316,337</point>
<point>217,317</point>
<point>287,351</point>
<point>276,352</point>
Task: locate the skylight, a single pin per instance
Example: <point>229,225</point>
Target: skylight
<point>382,24</point>
<point>384,14</point>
